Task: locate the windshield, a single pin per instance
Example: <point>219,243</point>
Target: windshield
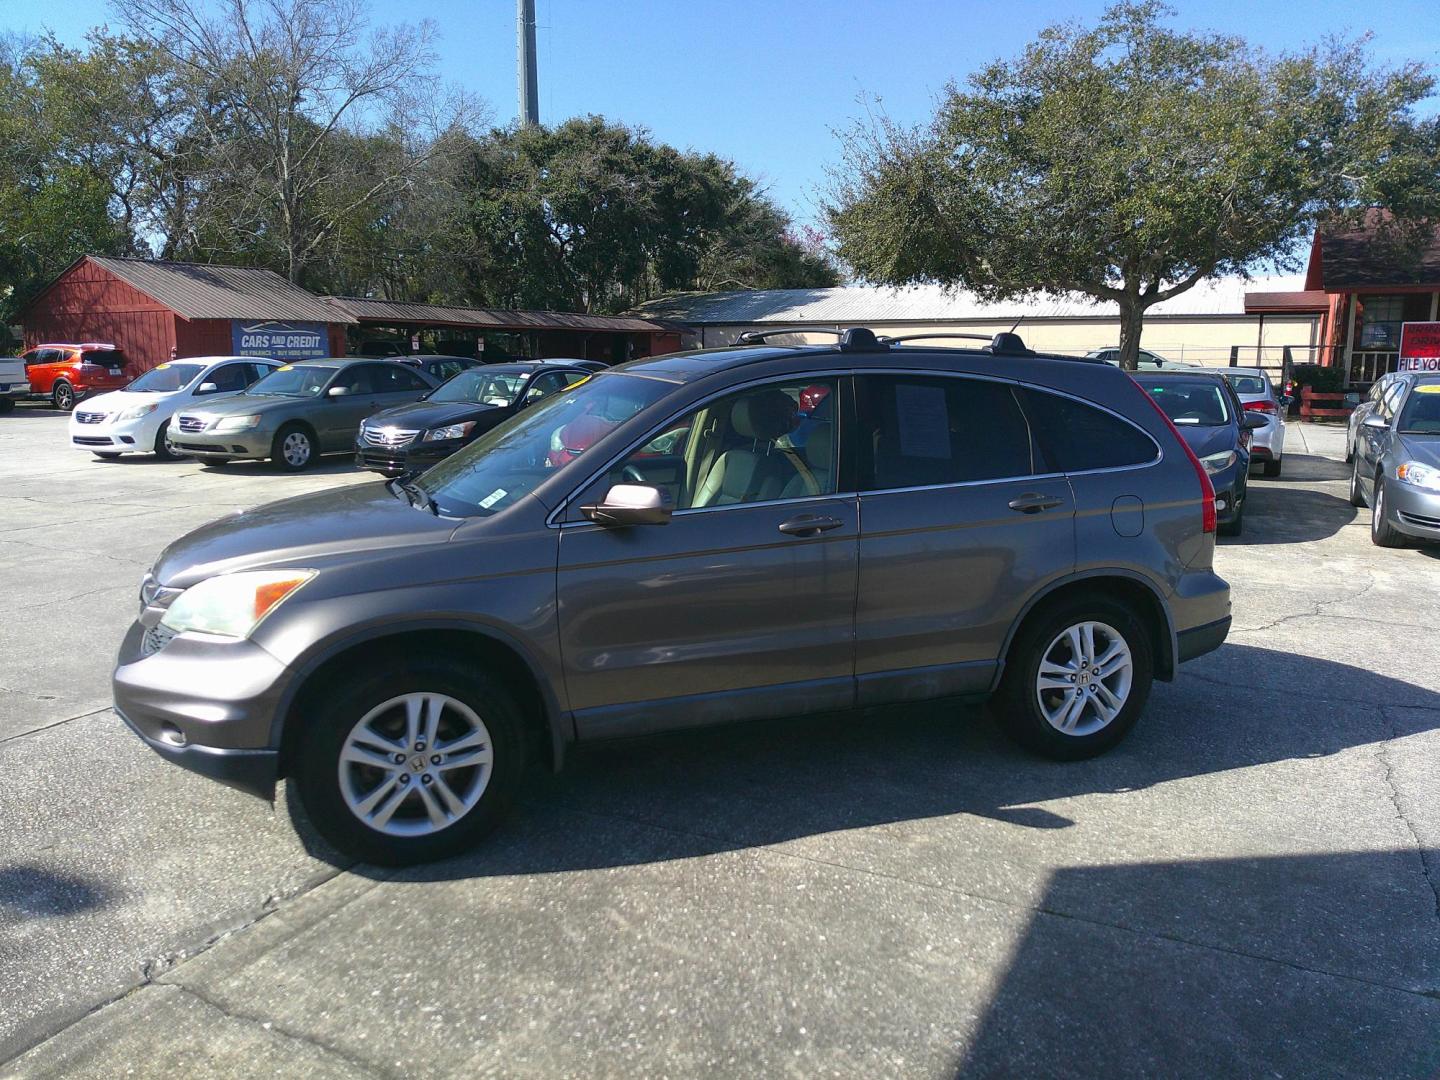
<point>1421,415</point>
<point>166,377</point>
<point>1186,401</point>
<point>292,381</point>
<point>482,388</point>
<point>506,464</point>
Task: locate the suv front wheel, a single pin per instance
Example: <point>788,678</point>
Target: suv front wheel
<point>1076,680</point>
<point>411,764</point>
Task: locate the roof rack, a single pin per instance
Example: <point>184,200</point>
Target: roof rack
<point>755,337</point>
<point>1001,344</point>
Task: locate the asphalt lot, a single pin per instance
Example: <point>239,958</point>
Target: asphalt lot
<point>1249,885</point>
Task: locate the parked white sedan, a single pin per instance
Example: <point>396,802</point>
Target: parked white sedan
<point>1257,394</point>
<point>137,418</point>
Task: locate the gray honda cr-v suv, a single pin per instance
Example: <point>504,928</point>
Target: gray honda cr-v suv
<point>737,534</point>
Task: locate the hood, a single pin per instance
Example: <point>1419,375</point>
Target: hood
<point>1208,440</point>
<point>430,414</point>
<point>1422,448</point>
<point>115,401</point>
<point>300,532</point>
<point>245,404</point>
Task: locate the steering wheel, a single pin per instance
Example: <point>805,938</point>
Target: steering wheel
<point>631,473</point>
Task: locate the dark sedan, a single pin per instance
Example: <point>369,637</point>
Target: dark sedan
<point>413,437</point>
<point>1204,409</point>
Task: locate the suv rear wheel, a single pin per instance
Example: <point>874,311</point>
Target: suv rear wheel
<point>1076,679</point>
<point>414,762</point>
<point>62,396</point>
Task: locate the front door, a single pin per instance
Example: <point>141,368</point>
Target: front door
<point>742,606</point>
<point>959,525</point>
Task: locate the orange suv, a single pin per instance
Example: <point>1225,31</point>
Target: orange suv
<point>67,373</point>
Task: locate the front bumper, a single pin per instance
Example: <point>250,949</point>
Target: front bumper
<point>397,460</point>
<point>207,704</point>
<point>254,444</point>
<point>1414,511</point>
<point>121,435</point>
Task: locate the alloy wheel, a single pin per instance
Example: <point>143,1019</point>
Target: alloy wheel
<point>415,764</point>
<point>1084,678</point>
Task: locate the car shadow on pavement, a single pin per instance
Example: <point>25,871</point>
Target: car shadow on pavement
<point>1284,512</point>
<point>32,892</point>
<point>761,784</point>
<point>1162,968</point>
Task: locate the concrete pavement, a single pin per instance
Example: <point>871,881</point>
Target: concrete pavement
<point>1249,885</point>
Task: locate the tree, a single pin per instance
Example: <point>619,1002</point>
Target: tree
<point>596,216</point>
<point>283,85</point>
<point>1126,162</point>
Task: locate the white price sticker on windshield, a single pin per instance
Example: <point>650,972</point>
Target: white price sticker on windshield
<point>491,499</point>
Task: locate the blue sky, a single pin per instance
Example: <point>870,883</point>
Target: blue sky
<point>767,82</point>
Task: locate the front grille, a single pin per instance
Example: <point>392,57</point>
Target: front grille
<point>156,638</point>
<point>387,437</point>
<point>89,417</point>
<point>91,440</point>
<point>192,424</point>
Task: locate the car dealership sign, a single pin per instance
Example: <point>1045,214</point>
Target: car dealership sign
<point>1419,347</point>
<point>280,340</point>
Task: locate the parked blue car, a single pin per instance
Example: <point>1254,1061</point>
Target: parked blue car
<point>1203,407</point>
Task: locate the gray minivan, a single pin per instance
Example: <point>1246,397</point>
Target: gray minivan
<point>747,533</point>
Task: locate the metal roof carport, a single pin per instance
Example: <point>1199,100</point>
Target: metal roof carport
<point>609,338</point>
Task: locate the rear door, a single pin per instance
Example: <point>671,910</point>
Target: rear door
<point>961,521</point>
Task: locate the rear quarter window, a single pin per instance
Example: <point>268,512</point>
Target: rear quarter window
<point>1076,437</point>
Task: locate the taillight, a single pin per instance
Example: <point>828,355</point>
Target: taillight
<point>1266,406</point>
<point>1207,489</point>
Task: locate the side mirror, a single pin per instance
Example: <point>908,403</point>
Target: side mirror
<point>1375,423</point>
<point>1252,421</point>
<point>207,388</point>
<point>337,391</point>
<point>630,504</point>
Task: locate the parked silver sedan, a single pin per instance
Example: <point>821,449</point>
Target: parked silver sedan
<point>1257,394</point>
<point>1397,462</point>
<point>1382,386</point>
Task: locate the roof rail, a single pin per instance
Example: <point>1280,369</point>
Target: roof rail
<point>1005,343</point>
<point>755,337</point>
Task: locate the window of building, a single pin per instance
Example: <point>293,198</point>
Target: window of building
<point>1380,319</point>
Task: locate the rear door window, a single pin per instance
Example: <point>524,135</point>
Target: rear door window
<point>1078,438</point>
<point>923,431</point>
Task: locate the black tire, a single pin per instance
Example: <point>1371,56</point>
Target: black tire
<point>1349,451</point>
<point>1272,468</point>
<point>1357,494</point>
<point>162,444</point>
<point>7,405</point>
<point>316,765</point>
<point>62,396</point>
<point>1235,526</point>
<point>1016,708</point>
<point>279,449</point>
<point>1382,533</point>
<point>106,456</point>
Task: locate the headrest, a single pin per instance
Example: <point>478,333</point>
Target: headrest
<point>765,414</point>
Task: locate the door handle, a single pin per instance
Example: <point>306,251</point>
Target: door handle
<point>1033,504</point>
<point>808,525</point>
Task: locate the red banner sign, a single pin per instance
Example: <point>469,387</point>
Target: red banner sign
<point>1419,346</point>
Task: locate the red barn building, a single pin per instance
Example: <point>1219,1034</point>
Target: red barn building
<point>146,307</point>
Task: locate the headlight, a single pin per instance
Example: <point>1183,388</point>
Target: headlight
<point>238,423</point>
<point>1218,462</point>
<point>137,412</point>
<point>454,431</point>
<point>232,605</point>
<point>1421,476</point>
